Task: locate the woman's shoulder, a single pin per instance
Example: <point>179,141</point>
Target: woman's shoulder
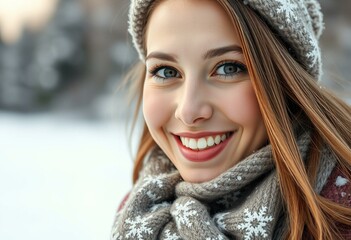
<point>338,187</point>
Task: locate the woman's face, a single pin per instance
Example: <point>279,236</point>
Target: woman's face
<point>198,101</point>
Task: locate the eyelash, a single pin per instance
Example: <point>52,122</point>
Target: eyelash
<point>153,71</point>
<point>242,69</point>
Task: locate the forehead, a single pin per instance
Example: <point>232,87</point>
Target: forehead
<point>192,23</point>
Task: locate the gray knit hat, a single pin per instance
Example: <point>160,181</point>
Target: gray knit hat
<point>299,23</point>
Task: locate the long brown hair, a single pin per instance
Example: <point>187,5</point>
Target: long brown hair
<point>284,91</point>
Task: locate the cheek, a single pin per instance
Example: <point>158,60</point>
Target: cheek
<point>156,108</point>
<point>242,107</point>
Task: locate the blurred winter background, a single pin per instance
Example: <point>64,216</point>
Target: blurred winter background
<point>64,157</point>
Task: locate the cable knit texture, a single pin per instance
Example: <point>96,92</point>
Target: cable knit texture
<point>242,203</point>
<point>299,23</point>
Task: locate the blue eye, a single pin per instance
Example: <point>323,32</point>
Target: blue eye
<point>165,72</point>
<point>230,68</point>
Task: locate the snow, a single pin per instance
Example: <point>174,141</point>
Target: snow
<point>61,178</point>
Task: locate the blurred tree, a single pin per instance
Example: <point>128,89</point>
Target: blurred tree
<point>39,64</point>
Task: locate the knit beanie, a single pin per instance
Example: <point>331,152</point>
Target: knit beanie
<point>299,24</point>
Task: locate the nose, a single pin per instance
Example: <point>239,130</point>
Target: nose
<point>193,107</point>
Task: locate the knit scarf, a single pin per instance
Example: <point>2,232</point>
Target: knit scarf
<point>242,203</point>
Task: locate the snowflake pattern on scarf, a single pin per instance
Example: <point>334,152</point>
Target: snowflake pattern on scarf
<point>254,223</point>
<point>117,236</point>
<point>152,180</point>
<point>218,238</point>
<point>171,236</point>
<point>219,220</point>
<point>138,228</point>
<point>155,182</point>
<point>182,214</point>
<point>181,211</point>
<point>159,206</point>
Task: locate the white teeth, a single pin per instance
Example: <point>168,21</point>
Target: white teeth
<point>186,142</point>
<point>210,141</point>
<point>203,143</point>
<point>217,139</point>
<point>223,137</point>
<point>192,144</point>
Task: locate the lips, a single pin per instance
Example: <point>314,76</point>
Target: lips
<point>202,147</point>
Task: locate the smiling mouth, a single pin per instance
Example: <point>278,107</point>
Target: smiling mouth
<point>203,143</point>
<point>203,148</point>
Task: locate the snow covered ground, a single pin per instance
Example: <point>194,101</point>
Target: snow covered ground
<point>61,178</point>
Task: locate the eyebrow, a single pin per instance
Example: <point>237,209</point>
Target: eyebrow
<point>222,50</point>
<point>209,54</point>
<point>161,56</point>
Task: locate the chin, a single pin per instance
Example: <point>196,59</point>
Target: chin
<point>198,176</point>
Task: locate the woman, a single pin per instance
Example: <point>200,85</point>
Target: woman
<point>239,141</point>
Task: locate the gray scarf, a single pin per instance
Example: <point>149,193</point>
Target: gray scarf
<point>242,203</point>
